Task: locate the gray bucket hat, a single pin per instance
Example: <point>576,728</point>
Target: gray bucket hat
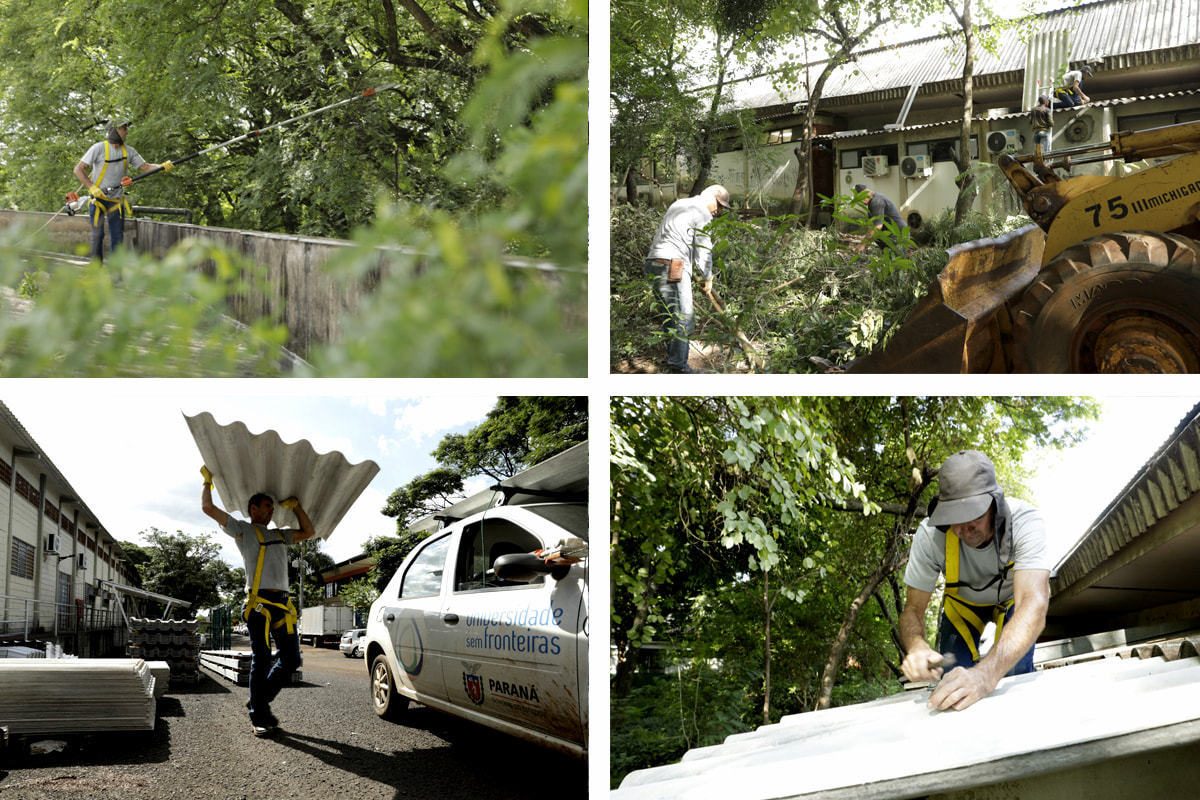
<point>966,487</point>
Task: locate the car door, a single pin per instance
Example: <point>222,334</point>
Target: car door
<point>512,648</point>
<point>413,617</point>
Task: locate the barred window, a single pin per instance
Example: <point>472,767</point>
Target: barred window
<point>22,559</point>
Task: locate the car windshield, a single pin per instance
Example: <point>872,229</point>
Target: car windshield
<point>572,517</point>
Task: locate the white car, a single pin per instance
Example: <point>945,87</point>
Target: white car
<point>351,643</point>
<point>474,625</point>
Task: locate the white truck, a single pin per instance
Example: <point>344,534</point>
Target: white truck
<point>324,625</point>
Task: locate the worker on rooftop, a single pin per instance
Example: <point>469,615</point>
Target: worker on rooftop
<point>992,551</point>
<point>109,163</point>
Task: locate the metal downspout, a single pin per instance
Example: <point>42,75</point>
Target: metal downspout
<point>38,577</point>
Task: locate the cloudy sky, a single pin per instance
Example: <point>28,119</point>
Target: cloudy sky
<point>126,449</point>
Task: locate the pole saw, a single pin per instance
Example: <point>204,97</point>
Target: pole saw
<point>365,94</point>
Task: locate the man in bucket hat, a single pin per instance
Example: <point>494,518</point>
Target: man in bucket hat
<point>992,551</point>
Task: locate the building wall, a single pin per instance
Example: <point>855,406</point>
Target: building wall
<point>31,497</point>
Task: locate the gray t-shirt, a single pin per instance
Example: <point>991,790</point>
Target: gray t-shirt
<point>927,559</point>
<point>679,236</point>
<point>94,158</point>
<point>275,561</point>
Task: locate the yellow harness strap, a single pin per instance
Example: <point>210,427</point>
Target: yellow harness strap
<point>964,615</point>
<point>122,204</point>
<point>256,603</point>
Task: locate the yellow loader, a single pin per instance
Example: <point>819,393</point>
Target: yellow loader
<point>1107,280</point>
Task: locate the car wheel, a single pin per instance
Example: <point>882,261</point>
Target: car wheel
<point>387,702</point>
<point>356,652</point>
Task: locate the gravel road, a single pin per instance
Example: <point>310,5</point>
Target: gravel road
<point>331,746</point>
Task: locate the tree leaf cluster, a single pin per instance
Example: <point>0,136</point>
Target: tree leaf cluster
<point>516,434</point>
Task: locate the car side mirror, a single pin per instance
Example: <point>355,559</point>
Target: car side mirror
<point>527,568</point>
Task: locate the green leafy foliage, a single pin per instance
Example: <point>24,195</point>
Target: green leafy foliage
<point>471,172</point>
<point>134,317</point>
<point>187,567</point>
<point>799,294</point>
<point>517,433</point>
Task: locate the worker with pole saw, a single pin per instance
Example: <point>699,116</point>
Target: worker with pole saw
<point>992,550</point>
<point>111,159</point>
<point>109,163</point>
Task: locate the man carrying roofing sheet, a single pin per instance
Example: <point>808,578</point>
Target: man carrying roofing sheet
<point>269,611</point>
<point>992,551</point>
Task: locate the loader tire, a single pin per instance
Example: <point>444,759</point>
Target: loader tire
<point>1119,303</point>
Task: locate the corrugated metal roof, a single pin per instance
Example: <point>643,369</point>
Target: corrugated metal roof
<point>1169,478</point>
<point>566,472</point>
<point>1122,33</point>
<point>957,123</point>
<point>894,747</point>
<point>244,463</point>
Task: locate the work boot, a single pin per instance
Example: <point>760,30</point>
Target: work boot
<point>685,370</point>
<point>264,722</point>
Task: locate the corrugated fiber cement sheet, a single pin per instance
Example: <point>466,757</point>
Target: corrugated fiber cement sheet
<point>896,748</point>
<point>245,463</point>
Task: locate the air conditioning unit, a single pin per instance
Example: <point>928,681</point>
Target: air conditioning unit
<point>83,560</point>
<point>1003,141</point>
<point>916,167</point>
<point>51,543</point>
<point>875,166</point>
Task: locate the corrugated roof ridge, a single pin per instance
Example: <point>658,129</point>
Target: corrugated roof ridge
<point>1133,509</point>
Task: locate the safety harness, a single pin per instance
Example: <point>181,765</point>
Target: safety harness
<point>967,617</point>
<point>120,204</point>
<point>256,603</point>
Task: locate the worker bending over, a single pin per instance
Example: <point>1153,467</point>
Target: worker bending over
<point>992,551</point>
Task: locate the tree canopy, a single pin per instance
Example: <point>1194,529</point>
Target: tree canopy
<point>187,567</point>
<point>518,433</point>
<point>192,75</point>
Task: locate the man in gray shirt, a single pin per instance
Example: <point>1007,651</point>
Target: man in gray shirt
<point>103,170</point>
<point>681,238</point>
<point>992,551</point>
<point>269,611</point>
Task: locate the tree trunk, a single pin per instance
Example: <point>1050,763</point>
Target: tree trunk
<point>893,559</point>
<point>838,650</point>
<point>766,714</point>
<point>704,140</point>
<point>966,183</point>
<point>631,186</point>
<point>627,656</point>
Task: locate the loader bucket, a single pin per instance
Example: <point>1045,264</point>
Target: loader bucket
<point>955,328</point>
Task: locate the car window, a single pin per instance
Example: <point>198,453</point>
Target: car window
<point>424,575</point>
<point>482,543</point>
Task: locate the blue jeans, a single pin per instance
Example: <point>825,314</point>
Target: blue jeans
<point>676,313</point>
<point>114,212</point>
<point>269,674</point>
<point>1044,138</point>
<point>951,641</point>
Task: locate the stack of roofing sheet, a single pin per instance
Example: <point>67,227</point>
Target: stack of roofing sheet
<point>234,665</point>
<point>895,747</point>
<point>75,695</point>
